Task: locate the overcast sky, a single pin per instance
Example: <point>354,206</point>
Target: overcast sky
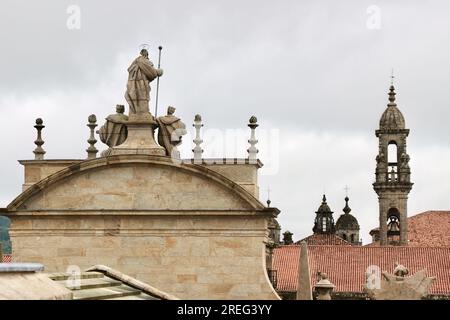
<point>315,73</point>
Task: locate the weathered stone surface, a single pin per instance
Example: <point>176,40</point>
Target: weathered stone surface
<point>114,132</point>
<point>136,187</point>
<point>393,287</point>
<point>171,130</point>
<point>38,170</point>
<point>237,170</point>
<point>20,267</point>
<point>304,291</point>
<point>244,174</point>
<point>31,286</point>
<point>140,73</point>
<point>183,228</point>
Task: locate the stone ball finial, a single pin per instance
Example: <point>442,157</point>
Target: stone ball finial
<point>92,118</point>
<point>198,117</point>
<point>324,287</point>
<point>323,275</point>
<point>39,151</point>
<point>253,120</point>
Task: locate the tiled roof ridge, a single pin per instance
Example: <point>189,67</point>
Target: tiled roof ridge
<point>325,237</point>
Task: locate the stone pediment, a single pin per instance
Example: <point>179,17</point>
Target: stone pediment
<point>135,182</point>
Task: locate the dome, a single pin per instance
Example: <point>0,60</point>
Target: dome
<point>324,208</point>
<point>392,118</point>
<point>347,221</point>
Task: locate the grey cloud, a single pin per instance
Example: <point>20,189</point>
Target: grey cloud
<point>301,66</point>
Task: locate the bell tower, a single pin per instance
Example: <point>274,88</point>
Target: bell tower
<point>324,222</point>
<point>392,183</point>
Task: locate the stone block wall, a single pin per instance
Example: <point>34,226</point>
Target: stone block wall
<point>182,228</point>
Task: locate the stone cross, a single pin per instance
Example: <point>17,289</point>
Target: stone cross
<point>252,151</point>
<point>197,149</point>
<point>39,151</point>
<point>92,151</point>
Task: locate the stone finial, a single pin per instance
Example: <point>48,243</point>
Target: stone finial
<point>39,151</point>
<point>346,209</point>
<point>92,151</point>
<point>197,149</point>
<point>392,96</point>
<point>252,151</point>
<point>324,287</point>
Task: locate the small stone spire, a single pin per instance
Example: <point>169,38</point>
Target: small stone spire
<point>197,149</point>
<point>346,208</point>
<point>92,151</point>
<point>39,151</point>
<point>392,96</point>
<point>252,151</point>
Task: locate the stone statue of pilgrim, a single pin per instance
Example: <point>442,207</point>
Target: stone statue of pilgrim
<point>140,73</point>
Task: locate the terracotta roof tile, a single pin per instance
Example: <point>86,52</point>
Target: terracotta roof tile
<point>431,228</point>
<point>428,229</point>
<point>324,239</point>
<point>346,265</point>
<point>7,258</point>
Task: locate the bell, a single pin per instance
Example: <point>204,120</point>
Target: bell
<point>393,227</point>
